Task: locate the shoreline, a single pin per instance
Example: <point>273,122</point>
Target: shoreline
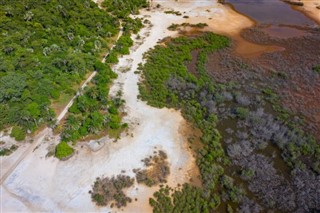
<point>310,9</point>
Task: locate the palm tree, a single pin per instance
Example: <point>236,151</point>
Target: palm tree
<point>93,93</point>
<point>97,44</point>
<point>106,119</point>
<point>28,16</point>
<point>99,26</point>
<point>70,36</point>
<point>72,123</point>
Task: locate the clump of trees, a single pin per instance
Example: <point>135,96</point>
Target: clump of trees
<point>174,27</point>
<point>130,26</point>
<point>177,13</point>
<point>121,48</point>
<point>110,190</point>
<point>123,8</point>
<point>93,111</point>
<point>187,199</point>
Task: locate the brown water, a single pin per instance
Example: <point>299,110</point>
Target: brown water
<point>248,49</point>
<point>279,19</point>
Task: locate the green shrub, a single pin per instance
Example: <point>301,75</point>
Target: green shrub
<point>112,58</point>
<point>63,150</point>
<point>8,151</point>
<point>18,133</point>
<point>99,199</point>
<point>242,113</point>
<point>316,68</point>
<point>122,8</point>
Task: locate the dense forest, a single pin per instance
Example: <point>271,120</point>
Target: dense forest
<point>253,157</point>
<point>47,48</point>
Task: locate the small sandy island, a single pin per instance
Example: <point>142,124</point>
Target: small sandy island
<point>40,183</point>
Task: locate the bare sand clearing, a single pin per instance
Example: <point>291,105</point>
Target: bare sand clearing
<point>46,184</point>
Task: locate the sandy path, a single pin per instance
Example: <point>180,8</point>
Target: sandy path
<point>46,184</point>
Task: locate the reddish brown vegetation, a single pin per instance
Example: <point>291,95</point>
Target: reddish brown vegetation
<point>288,73</point>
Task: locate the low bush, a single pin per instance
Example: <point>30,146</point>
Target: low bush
<point>63,151</point>
<point>106,190</point>
<point>18,133</point>
<point>8,151</point>
<point>316,69</point>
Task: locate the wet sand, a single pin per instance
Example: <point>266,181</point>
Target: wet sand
<point>310,9</point>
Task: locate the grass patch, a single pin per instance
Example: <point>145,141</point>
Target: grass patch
<point>63,151</point>
<point>18,133</point>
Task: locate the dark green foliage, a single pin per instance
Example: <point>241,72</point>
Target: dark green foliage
<point>173,27</point>
<point>316,68</point>
<point>122,8</point>
<point>123,44</point>
<point>132,25</point>
<point>242,113</point>
<point>188,199</point>
<point>112,58</point>
<point>46,48</point>
<point>63,151</point>
<point>121,48</point>
<point>177,13</point>
<point>176,26</point>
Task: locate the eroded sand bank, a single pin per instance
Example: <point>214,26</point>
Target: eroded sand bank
<point>46,184</point>
<point>311,8</point>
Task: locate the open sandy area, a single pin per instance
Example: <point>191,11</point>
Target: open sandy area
<point>33,182</point>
